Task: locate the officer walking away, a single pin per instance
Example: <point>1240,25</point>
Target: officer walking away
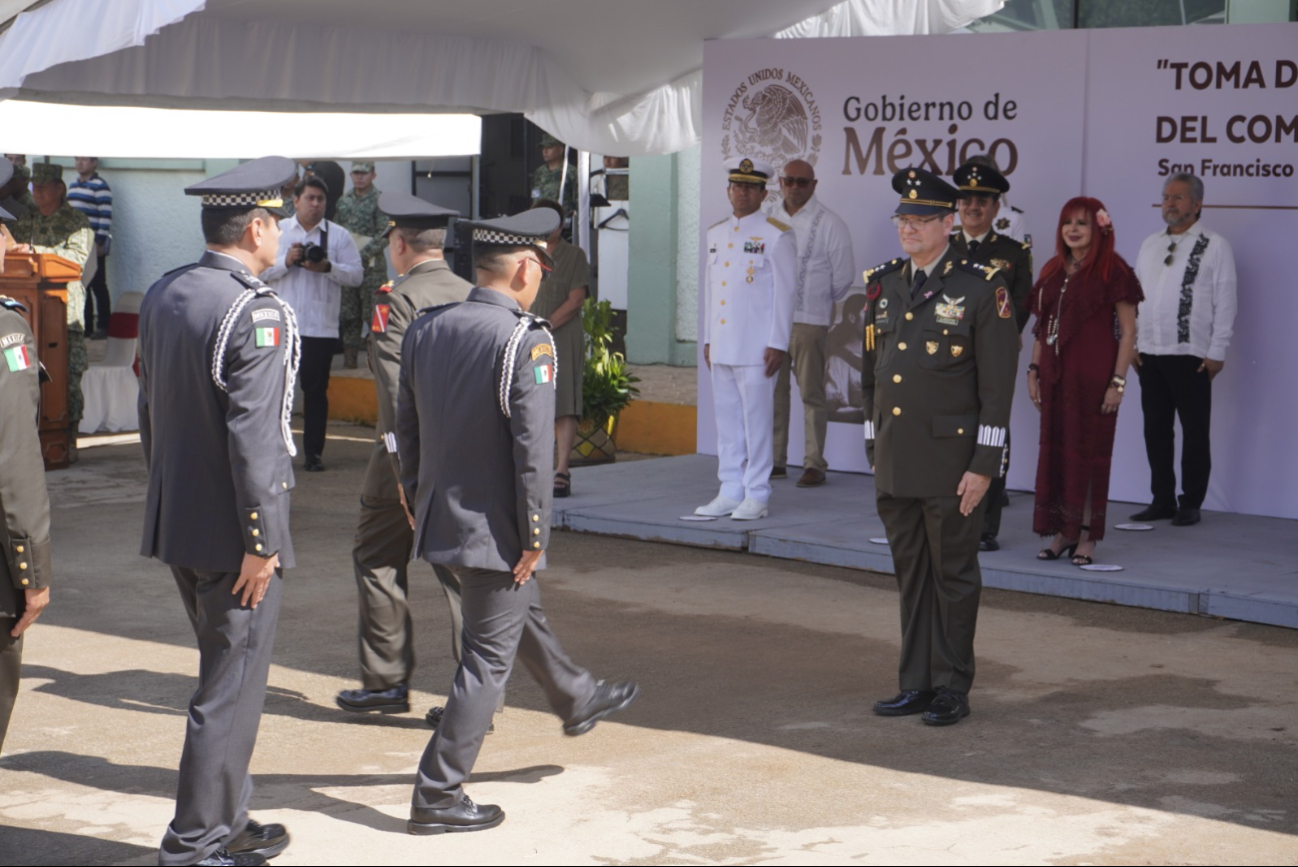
<point>25,569</point>
<point>54,226</point>
<point>218,356</point>
<point>825,270</point>
<point>475,432</point>
<point>981,188</point>
<point>384,534</point>
<point>746,330</point>
<point>938,379</point>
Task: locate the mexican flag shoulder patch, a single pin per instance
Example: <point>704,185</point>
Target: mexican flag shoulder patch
<point>17,358</point>
<point>544,373</point>
<point>267,335</point>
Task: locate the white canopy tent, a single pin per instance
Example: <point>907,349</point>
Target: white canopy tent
<point>615,78</point>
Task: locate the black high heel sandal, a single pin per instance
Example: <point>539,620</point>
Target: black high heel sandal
<point>1051,554</point>
<point>1083,559</point>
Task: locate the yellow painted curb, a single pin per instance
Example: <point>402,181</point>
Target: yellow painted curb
<point>352,398</point>
<point>653,428</point>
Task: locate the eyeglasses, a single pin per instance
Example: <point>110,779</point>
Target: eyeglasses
<point>912,223</point>
<point>544,267</point>
<point>1171,251</point>
<point>797,182</point>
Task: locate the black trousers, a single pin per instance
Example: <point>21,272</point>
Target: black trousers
<point>317,357</point>
<point>97,299</point>
<point>1172,386</point>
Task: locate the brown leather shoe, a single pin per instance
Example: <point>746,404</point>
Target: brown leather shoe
<point>812,478</point>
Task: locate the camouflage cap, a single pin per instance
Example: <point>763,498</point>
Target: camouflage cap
<point>548,140</point>
<point>362,165</point>
<point>47,173</point>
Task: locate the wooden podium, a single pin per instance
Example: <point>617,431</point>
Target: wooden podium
<point>40,282</point>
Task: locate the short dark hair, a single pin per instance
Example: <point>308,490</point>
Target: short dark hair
<point>311,181</point>
<point>223,227</point>
<point>422,240</point>
<point>548,203</point>
<point>489,258</point>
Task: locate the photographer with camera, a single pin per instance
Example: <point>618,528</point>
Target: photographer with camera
<point>316,259</point>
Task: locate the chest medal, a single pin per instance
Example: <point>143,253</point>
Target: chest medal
<point>950,311</point>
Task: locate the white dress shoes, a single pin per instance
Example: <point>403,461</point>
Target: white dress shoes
<point>718,508</point>
<point>749,510</point>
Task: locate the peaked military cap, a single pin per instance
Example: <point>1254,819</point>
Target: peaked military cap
<point>411,212</point>
<point>255,184</point>
<point>972,178</point>
<point>923,193</point>
<point>749,171</point>
<point>6,172</point>
<point>528,229</point>
<point>46,173</point>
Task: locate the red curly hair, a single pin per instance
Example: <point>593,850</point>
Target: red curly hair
<point>1101,254</point>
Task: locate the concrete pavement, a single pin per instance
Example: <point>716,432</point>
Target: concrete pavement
<point>1099,734</point>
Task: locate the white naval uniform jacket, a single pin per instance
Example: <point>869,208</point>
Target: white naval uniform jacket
<point>751,288</point>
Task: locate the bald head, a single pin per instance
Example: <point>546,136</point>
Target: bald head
<point>798,184</point>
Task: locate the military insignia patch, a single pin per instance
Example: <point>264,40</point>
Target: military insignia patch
<point>1003,308</point>
<point>379,323</point>
<point>10,339</point>
<point>1003,223</point>
<point>385,288</point>
<point>931,347</point>
<point>267,336</point>
<point>262,315</point>
<point>951,311</point>
<point>1001,263</point>
<point>542,349</point>
<point>956,350</point>
<point>544,373</point>
<point>17,357</point>
<point>758,247</point>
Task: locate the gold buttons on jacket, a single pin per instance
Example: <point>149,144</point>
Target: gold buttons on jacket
<point>536,518</point>
<point>723,301</point>
<point>18,548</point>
<point>536,531</point>
<point>284,485</point>
<point>960,431</point>
<point>258,546</point>
<point>896,410</point>
<point>727,264</point>
<point>902,346</point>
<point>253,516</point>
<point>730,246</point>
<point>896,377</point>
<point>723,322</point>
<point>256,533</point>
<point>536,544</point>
<point>25,582</point>
<point>723,282</point>
<point>910,316</point>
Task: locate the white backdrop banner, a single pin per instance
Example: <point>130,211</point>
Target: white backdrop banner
<point>1103,113</point>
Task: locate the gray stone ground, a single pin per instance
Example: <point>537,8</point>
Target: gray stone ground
<point>1100,735</point>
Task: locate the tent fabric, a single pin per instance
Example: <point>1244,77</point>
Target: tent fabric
<point>399,56</point>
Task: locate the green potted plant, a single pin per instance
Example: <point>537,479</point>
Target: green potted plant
<point>607,387</point>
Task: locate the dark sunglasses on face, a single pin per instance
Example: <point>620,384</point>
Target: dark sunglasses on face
<point>796,182</point>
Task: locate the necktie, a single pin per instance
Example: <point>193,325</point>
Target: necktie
<point>920,277</point>
<point>973,247</point>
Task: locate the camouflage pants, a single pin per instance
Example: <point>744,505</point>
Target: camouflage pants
<point>78,361</point>
<point>358,305</point>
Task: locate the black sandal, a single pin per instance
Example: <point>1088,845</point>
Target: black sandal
<point>1083,559</point>
<point>562,484</point>
<point>1051,554</point>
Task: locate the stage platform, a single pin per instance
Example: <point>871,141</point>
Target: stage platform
<point>1234,566</point>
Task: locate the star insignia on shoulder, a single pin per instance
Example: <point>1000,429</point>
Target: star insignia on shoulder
<point>880,270</point>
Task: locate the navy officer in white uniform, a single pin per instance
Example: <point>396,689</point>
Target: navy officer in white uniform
<point>751,294</point>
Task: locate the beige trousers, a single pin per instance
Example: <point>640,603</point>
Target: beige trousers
<point>807,359</point>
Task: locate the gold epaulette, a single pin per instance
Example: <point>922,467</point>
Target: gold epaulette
<point>783,227</point>
<point>984,271</point>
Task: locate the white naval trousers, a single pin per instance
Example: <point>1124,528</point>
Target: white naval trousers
<point>743,397</point>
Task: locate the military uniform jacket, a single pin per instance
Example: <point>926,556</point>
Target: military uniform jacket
<point>475,431</point>
<point>65,233</point>
<point>430,283</point>
<point>218,455</point>
<point>752,288</point>
<point>939,379</point>
<point>1013,259</point>
<point>25,533</point>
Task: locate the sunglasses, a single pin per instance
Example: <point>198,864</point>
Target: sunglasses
<point>797,182</point>
<point>1171,251</point>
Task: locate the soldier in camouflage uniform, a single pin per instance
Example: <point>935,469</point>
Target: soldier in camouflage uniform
<point>54,226</point>
<point>358,213</point>
<point>548,175</point>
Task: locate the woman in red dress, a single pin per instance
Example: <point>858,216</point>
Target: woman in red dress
<point>1085,303</point>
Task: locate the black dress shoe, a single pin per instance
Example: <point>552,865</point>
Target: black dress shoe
<point>1186,518</point>
<point>464,816</point>
<point>779,472</point>
<point>947,709</point>
<point>435,714</point>
<point>988,543</point>
<point>314,464</point>
<point>265,841</point>
<point>905,703</point>
<point>606,700</point>
<point>1155,512</point>
<point>222,858</point>
<point>394,700</point>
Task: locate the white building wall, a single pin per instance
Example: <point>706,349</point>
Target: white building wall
<point>688,172</point>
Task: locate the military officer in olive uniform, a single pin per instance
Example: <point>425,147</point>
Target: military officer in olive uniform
<point>384,536</point>
<point>475,436</point>
<point>976,238</point>
<point>218,358</point>
<point>54,226</point>
<point>25,570</point>
<point>937,379</point>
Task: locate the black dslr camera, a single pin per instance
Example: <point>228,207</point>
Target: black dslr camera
<point>312,253</point>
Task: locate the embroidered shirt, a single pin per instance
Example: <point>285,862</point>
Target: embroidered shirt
<point>1189,306</point>
<point>825,264</point>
